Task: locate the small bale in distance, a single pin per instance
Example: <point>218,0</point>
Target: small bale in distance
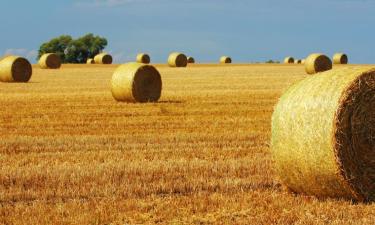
<point>298,61</point>
<point>225,60</point>
<point>15,69</point>
<point>191,60</point>
<point>322,135</point>
<point>103,58</point>
<point>90,61</point>
<point>289,60</point>
<point>136,82</point>
<point>177,59</point>
<point>303,61</point>
<point>50,61</point>
<point>317,63</point>
<point>143,58</point>
<point>340,58</point>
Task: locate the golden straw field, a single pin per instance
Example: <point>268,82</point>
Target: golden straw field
<point>71,154</point>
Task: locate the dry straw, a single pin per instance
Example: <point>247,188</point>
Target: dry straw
<point>103,58</point>
<point>136,82</point>
<point>289,60</point>
<point>191,60</point>
<point>225,60</point>
<point>50,61</point>
<point>143,58</point>
<point>317,63</point>
<point>90,61</point>
<point>177,59</point>
<point>15,69</point>
<point>323,135</point>
<point>340,58</point>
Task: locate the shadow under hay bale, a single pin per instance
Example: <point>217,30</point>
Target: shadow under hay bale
<point>136,82</point>
<point>103,58</point>
<point>50,61</point>
<point>225,60</point>
<point>15,69</point>
<point>143,58</point>
<point>323,135</point>
<point>340,58</point>
<point>177,59</point>
<point>317,63</point>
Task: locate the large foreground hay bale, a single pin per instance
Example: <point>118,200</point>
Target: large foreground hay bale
<point>323,135</point>
<point>317,63</point>
<point>90,61</point>
<point>15,69</point>
<point>136,82</point>
<point>143,58</point>
<point>177,59</point>
<point>103,58</point>
<point>289,60</point>
<point>191,60</point>
<point>50,61</point>
<point>225,60</point>
<point>340,58</point>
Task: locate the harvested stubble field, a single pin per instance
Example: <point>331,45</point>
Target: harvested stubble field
<point>71,154</point>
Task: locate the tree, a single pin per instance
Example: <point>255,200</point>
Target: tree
<point>74,51</point>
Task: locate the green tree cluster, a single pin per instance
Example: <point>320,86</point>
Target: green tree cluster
<point>74,50</point>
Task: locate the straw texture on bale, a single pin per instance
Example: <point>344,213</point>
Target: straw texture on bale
<point>317,63</point>
<point>50,61</point>
<point>143,58</point>
<point>177,59</point>
<point>103,58</point>
<point>340,58</point>
<point>323,135</point>
<point>90,61</point>
<point>191,60</point>
<point>15,69</point>
<point>289,60</point>
<point>225,60</point>
<point>136,82</point>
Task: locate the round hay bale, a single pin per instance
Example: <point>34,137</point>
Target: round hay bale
<point>103,58</point>
<point>15,69</point>
<point>136,82</point>
<point>340,58</point>
<point>298,61</point>
<point>323,135</point>
<point>50,61</point>
<point>90,61</point>
<point>317,63</point>
<point>303,61</point>
<point>191,60</point>
<point>177,59</point>
<point>225,60</point>
<point>289,60</point>
<point>143,58</point>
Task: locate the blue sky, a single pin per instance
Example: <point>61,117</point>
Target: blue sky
<point>248,31</point>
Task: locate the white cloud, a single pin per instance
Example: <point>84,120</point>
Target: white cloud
<point>29,54</point>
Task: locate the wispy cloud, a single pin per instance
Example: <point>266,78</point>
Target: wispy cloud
<point>106,3</point>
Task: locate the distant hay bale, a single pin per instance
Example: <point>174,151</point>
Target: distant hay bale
<point>177,59</point>
<point>298,61</point>
<point>191,60</point>
<point>323,135</point>
<point>340,58</point>
<point>15,69</point>
<point>90,61</point>
<point>225,60</point>
<point>136,82</point>
<point>103,58</point>
<point>303,61</point>
<point>50,61</point>
<point>317,63</point>
<point>143,58</point>
<point>289,60</point>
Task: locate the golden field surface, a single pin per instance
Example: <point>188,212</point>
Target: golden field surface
<point>71,154</point>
